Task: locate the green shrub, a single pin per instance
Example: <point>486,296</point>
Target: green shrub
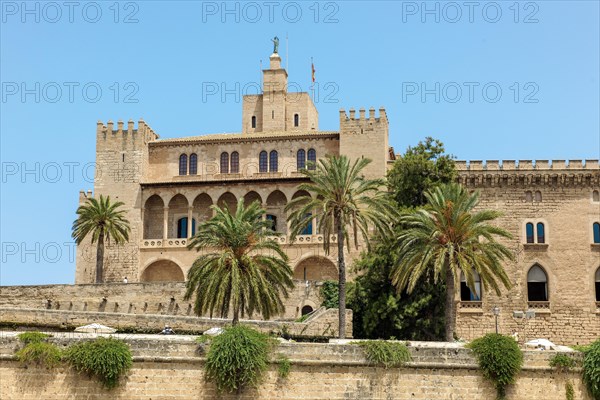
<point>500,359</point>
<point>40,353</point>
<point>330,294</point>
<point>32,337</point>
<point>591,369</point>
<point>284,367</point>
<point>105,358</point>
<point>562,362</point>
<point>237,358</point>
<point>569,391</point>
<point>388,354</point>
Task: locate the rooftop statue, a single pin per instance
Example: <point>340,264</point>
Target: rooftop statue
<point>275,41</point>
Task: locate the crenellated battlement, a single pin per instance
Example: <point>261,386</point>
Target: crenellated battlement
<point>351,119</point>
<point>526,165</point>
<point>83,196</point>
<point>142,128</point>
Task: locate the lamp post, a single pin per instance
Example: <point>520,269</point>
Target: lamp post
<point>496,311</point>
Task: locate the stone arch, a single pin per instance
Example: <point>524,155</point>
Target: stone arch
<point>306,307</point>
<point>228,199</point>
<point>251,197</point>
<point>178,208</point>
<point>300,193</point>
<point>162,271</point>
<point>201,205</point>
<point>316,268</point>
<point>153,217</point>
<point>308,230</point>
<point>276,202</point>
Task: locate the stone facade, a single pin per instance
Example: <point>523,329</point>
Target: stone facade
<point>161,190</point>
<point>170,367</point>
<point>564,198</point>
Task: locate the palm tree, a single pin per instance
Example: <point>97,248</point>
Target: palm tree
<point>447,237</point>
<point>344,201</point>
<point>104,222</point>
<point>246,272</point>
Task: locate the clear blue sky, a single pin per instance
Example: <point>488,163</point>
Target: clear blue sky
<point>543,56</point>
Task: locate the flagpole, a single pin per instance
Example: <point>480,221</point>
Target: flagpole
<point>286,53</point>
<point>312,86</point>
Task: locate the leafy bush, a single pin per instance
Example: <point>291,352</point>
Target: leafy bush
<point>500,359</point>
<point>237,358</point>
<point>330,294</point>
<point>105,358</point>
<point>40,353</point>
<point>591,369</point>
<point>562,362</point>
<point>284,367</point>
<point>390,354</point>
<point>32,337</point>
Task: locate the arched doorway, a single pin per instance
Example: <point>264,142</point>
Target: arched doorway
<point>162,271</point>
<point>153,217</point>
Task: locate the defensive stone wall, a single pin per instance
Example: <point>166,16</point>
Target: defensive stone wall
<point>173,367</point>
<point>145,306</point>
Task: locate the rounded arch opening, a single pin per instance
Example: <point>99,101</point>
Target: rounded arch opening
<point>251,197</point>
<point>201,206</point>
<point>153,217</point>
<point>316,269</point>
<point>162,271</point>
<point>178,209</point>
<point>228,200</point>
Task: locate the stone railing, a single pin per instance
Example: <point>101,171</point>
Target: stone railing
<point>471,307</point>
<point>282,240</point>
<point>539,306</point>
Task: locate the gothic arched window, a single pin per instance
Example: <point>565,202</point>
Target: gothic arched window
<point>296,120</point>
<point>537,284</point>
<point>273,158</point>
<point>235,162</point>
<point>253,121</point>
<point>300,159</point>
<point>312,159</point>
<point>224,162</point>
<point>183,164</point>
<point>263,162</point>
<point>193,164</point>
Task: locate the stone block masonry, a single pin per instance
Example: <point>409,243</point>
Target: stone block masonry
<point>172,368</point>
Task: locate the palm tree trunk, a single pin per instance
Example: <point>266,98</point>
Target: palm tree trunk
<point>100,258</point>
<point>236,315</point>
<point>342,279</point>
<point>450,322</point>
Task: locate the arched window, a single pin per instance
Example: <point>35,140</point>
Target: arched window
<point>538,196</point>
<point>598,284</point>
<point>537,284</point>
<point>541,238</point>
<point>263,162</point>
<point>312,159</point>
<point>308,229</point>
<point>235,162</point>
<point>224,162</point>
<point>528,196</point>
<point>296,120</point>
<point>182,227</point>
<point>529,233</point>
<point>193,164</point>
<point>273,219</point>
<point>183,164</point>
<point>596,228</point>
<point>467,294</point>
<point>307,310</point>
<point>273,161</point>
<point>300,159</point>
<point>253,121</point>
<point>596,196</point>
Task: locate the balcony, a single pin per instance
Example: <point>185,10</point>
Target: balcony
<point>302,240</point>
<point>540,307</point>
<point>470,307</point>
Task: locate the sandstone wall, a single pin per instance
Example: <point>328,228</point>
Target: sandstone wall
<point>170,367</point>
<point>133,298</point>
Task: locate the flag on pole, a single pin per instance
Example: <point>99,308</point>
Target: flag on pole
<point>313,71</point>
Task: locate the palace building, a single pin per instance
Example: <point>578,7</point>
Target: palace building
<point>168,186</point>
